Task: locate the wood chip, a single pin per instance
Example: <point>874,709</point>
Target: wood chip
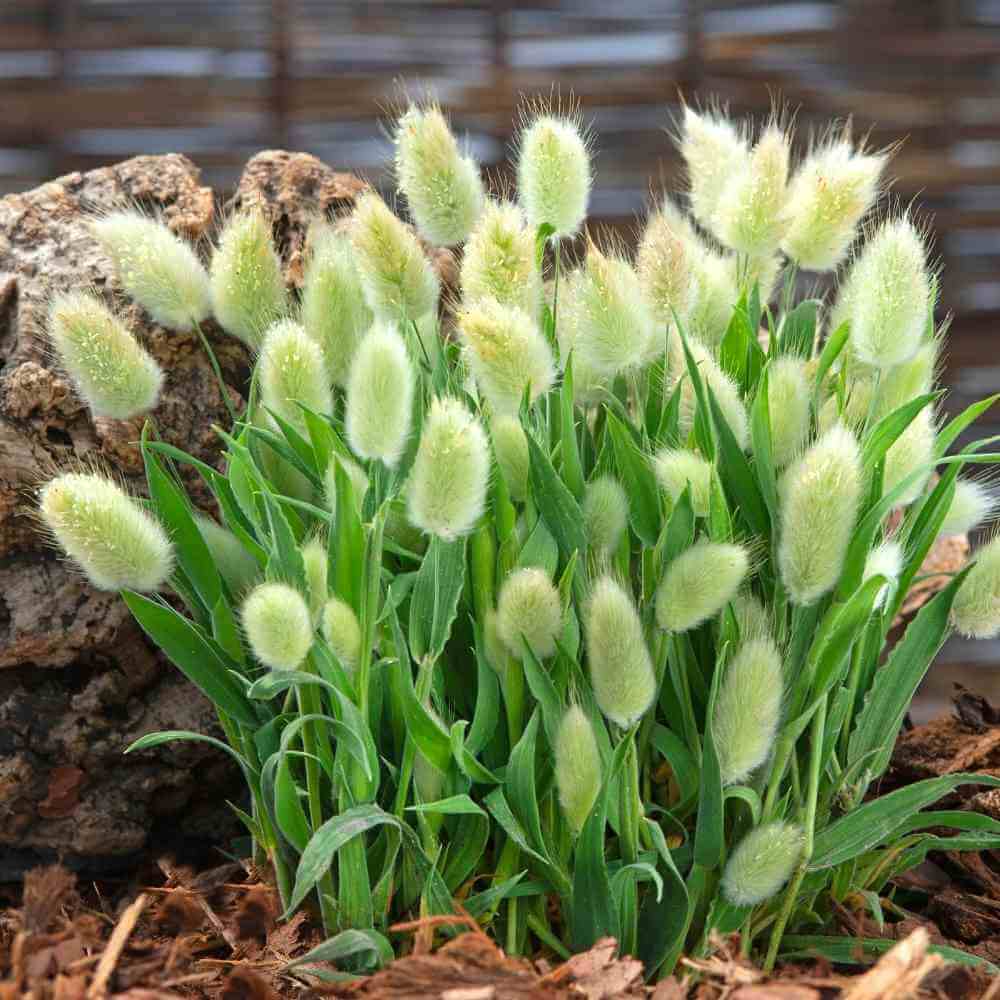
<point>898,973</point>
<point>115,946</point>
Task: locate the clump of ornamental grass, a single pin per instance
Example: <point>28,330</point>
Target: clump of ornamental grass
<point>571,601</point>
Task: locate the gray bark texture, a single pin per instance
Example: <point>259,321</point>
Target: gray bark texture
<point>78,680</point>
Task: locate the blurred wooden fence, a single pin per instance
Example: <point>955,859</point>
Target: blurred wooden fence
<point>86,82</point>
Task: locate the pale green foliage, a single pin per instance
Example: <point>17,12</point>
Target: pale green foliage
<point>449,476</point>
<point>621,670</point>
<point>577,767</point>
<point>749,216</point>
<point>788,398</point>
<point>615,330</point>
<point>292,371</point>
<point>910,379</point>
<point>397,278</point>
<point>116,543</point>
<point>553,173</point>
<point>889,295</point>
<point>699,583</point>
<point>713,151</point>
<point>510,445</point>
<point>442,188</point>
<point>500,260</point>
<point>277,625</point>
<point>828,195</point>
<point>748,709</point>
<point>976,611</point>
<point>506,353</point>
<point>762,863</point>
<point>237,566</point>
<point>972,504</point>
<point>529,611</point>
<point>156,268</point>
<point>334,311</point>
<point>113,373</point>
<point>679,469</point>
<point>380,396</point>
<point>605,513</point>
<point>248,289</point>
<point>820,492</point>
<point>342,631</point>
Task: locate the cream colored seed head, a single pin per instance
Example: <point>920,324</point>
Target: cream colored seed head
<point>664,264</point>
<point>334,311</point>
<point>117,544</point>
<point>506,353</point>
<point>749,217</point>
<point>500,262</point>
<point>714,154</point>
<point>342,631</point>
<point>976,611</point>
<point>972,505</point>
<point>380,396</point>
<point>699,583</point>
<point>912,450</point>
<point>111,371</point>
<point>788,398</point>
<point>277,625</point>
<point>314,561</point>
<point>829,194</point>
<point>248,289</point>
<point>447,488</point>
<point>292,370</point>
<point>510,445</point>
<point>577,767</point>
<point>156,268</point>
<point>819,497</point>
<point>529,606</point>
<point>442,188</point>
<point>762,863</point>
<point>396,276</point>
<point>678,469</point>
<point>605,513</point>
<point>553,174</point>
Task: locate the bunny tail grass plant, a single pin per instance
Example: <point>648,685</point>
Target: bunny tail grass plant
<point>569,599</point>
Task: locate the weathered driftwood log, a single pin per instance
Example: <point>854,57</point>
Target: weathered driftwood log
<point>78,681</point>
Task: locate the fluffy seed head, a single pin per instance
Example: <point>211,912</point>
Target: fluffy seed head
<point>972,504</point>
<point>819,496</point>
<point>442,188</point>
<point>615,328</point>
<point>699,583</point>
<point>678,469</point>
<point>450,473</point>
<point>588,385</point>
<point>116,543</point>
<point>342,631</point>
<point>334,311</point>
<point>248,290</point>
<point>890,295</point>
<point>749,216</point>
<point>553,174</point>
<point>665,263</point>
<point>764,272</point>
<point>380,396</point>
<point>506,352</point>
<point>715,296</point>
<point>788,394</point>
<point>237,567</point>
<point>605,513</point>
<point>913,449</point>
<point>884,560</point>
<point>976,611</point>
<point>314,560</point>
<point>493,648</point>
<point>748,709</point>
<point>398,280</point>
<point>714,154</point>
<point>577,767</point>
<point>291,371</point>
<point>621,670</point>
<point>158,269</point>
<point>752,618</point>
<point>499,260</point>
<point>510,445</point>
<point>762,863</point>
<point>112,372</point>
<point>277,625</point>
<point>829,194</point>
<point>529,606</point>
<point>912,378</point>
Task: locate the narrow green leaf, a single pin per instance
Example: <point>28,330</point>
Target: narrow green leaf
<point>454,805</point>
<point>375,950</point>
<point>434,602</point>
<point>645,514</point>
<point>555,503</point>
<point>798,332</point>
<point>856,951</point>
